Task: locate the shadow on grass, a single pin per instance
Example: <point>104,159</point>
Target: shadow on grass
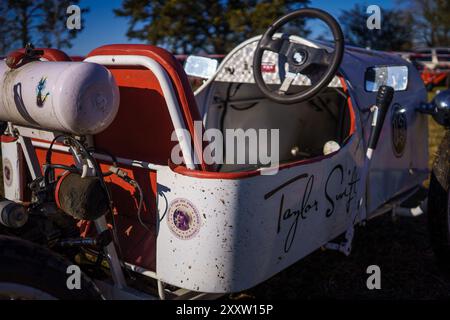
<point>400,248</point>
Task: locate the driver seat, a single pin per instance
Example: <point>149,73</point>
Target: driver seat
<point>142,129</point>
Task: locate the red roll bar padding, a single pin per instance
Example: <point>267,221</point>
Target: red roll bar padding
<point>176,73</point>
<point>15,57</point>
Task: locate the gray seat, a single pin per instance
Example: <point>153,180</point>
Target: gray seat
<point>303,128</point>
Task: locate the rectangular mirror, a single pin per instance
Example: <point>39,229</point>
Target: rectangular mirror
<point>393,76</point>
<point>200,67</point>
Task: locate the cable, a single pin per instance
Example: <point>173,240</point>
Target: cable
<point>86,154</point>
<point>251,105</point>
<point>64,167</point>
<point>124,176</point>
<point>48,160</point>
<point>141,200</point>
<point>102,151</point>
<point>100,176</point>
<point>222,122</point>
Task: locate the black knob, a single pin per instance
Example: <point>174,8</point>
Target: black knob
<point>383,101</point>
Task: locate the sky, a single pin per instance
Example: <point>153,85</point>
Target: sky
<point>102,27</point>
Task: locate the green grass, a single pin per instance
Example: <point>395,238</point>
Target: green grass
<point>435,132</point>
<point>400,247</point>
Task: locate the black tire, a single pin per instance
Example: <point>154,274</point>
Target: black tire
<point>33,268</point>
<point>439,205</point>
<point>447,81</point>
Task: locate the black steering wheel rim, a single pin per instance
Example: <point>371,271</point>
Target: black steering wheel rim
<point>329,74</point>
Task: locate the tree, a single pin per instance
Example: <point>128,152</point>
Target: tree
<point>42,22</point>
<point>6,38</point>
<point>395,32</point>
<point>21,20</point>
<point>53,29</point>
<point>431,21</point>
<point>186,26</point>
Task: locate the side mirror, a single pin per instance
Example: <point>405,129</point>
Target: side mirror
<point>439,108</point>
<point>392,76</point>
<point>200,67</point>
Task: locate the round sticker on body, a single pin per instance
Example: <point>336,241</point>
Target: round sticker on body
<point>183,219</point>
<point>7,172</point>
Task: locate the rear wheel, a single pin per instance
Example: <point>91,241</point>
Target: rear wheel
<point>439,204</point>
<point>32,272</point>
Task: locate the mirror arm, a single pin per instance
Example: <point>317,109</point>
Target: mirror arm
<point>426,108</point>
<point>439,108</point>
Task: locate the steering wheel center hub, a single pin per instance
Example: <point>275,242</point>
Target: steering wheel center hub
<point>299,57</point>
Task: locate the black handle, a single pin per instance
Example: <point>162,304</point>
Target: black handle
<point>383,101</point>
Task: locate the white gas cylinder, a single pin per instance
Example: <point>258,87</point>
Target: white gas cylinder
<point>74,97</point>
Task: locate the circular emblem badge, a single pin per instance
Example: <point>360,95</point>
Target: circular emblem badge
<point>299,57</point>
<point>183,219</point>
<point>399,129</point>
<point>7,172</point>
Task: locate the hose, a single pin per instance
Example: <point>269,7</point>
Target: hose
<point>84,152</point>
<point>124,176</point>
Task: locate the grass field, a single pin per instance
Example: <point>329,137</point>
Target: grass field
<point>400,247</point>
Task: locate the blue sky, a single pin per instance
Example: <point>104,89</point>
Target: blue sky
<point>101,26</point>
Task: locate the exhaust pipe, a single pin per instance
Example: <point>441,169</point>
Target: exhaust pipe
<point>412,212</point>
<point>12,214</point>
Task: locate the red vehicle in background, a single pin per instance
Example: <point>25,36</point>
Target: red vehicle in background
<point>434,66</point>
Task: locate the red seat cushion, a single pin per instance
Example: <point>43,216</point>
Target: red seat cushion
<point>143,105</point>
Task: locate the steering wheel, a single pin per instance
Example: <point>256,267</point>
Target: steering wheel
<point>300,57</point>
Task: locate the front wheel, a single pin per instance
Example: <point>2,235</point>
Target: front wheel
<point>32,272</point>
<point>439,204</point>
